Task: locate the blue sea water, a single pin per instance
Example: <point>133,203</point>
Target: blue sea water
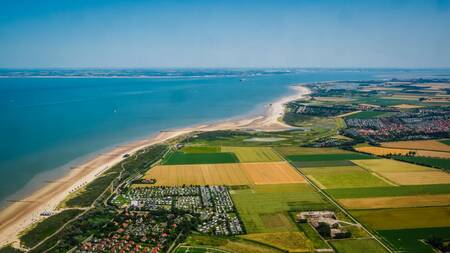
<point>46,124</point>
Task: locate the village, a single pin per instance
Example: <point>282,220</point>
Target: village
<point>210,205</point>
<point>420,124</point>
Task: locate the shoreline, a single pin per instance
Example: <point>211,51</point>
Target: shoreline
<point>18,216</point>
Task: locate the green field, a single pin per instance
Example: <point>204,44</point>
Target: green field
<point>9,249</point>
<point>357,246</point>
<point>368,115</point>
<point>407,190</point>
<point>47,227</point>
<point>253,154</point>
<point>328,157</point>
<point>323,164</point>
<point>412,240</point>
<point>447,142</point>
<point>264,208</point>
<point>198,249</point>
<point>201,149</point>
<point>402,218</point>
<point>440,163</point>
<point>343,177</point>
<point>199,158</point>
<point>293,150</point>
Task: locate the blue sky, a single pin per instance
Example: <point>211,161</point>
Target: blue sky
<point>102,34</point>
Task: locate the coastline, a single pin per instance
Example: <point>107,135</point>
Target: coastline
<point>19,215</point>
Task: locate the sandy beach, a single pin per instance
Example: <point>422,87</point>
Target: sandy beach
<point>20,215</point>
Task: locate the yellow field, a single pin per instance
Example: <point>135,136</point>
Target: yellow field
<point>224,174</point>
<point>272,173</point>
<point>418,177</point>
<point>396,202</point>
<point>422,145</point>
<point>387,165</point>
<point>406,106</point>
<point>382,151</point>
<point>288,241</point>
<point>253,154</point>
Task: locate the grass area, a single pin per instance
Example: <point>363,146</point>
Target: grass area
<point>357,246</point>
<point>9,249</point>
<point>293,150</point>
<point>343,177</point>
<point>264,208</point>
<point>396,201</point>
<point>447,142</point>
<point>253,154</point>
<point>198,249</point>
<point>328,157</point>
<point>440,163</point>
<point>311,233</point>
<point>406,190</point>
<point>199,158</point>
<point>388,165</point>
<point>368,115</point>
<point>400,218</point>
<point>47,227</point>
<point>137,163</point>
<point>323,164</point>
<point>91,192</point>
<point>201,149</point>
<point>286,241</point>
<point>228,244</point>
<point>412,240</point>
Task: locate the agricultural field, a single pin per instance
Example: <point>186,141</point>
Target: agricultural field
<point>286,241</point>
<point>201,149</point>
<point>253,154</point>
<point>328,157</point>
<point>357,246</point>
<point>412,240</point>
<point>293,150</point>
<point>368,115</point>
<point>199,158</point>
<point>264,208</point>
<point>402,173</point>
<point>203,243</point>
<point>396,202</point>
<point>406,190</point>
<point>381,151</point>
<point>402,218</point>
<point>433,145</point>
<point>224,174</point>
<point>343,177</point>
<point>440,163</point>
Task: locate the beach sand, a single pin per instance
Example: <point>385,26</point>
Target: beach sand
<point>19,215</point>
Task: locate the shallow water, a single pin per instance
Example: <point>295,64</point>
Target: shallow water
<point>48,123</point>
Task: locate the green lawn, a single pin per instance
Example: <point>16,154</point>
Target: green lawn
<point>440,163</point>
<point>404,218</point>
<point>357,246</point>
<point>328,157</point>
<point>343,177</point>
<point>323,164</point>
<point>293,150</point>
<point>264,208</point>
<point>199,158</point>
<point>367,115</point>
<point>407,190</point>
<point>412,240</point>
<point>447,142</point>
<point>253,154</point>
<point>201,149</point>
